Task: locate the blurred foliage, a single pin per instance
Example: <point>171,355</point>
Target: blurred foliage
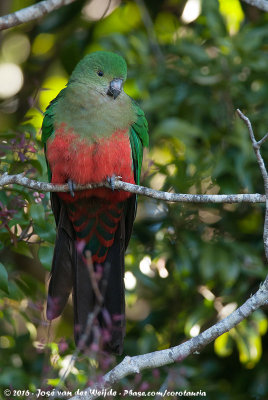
<point>189,264</point>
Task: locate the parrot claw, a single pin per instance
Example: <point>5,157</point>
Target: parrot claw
<point>111,181</point>
<point>71,186</point>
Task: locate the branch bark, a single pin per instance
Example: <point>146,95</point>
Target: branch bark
<point>22,180</point>
<point>178,353</point>
<point>257,146</point>
<point>261,4</point>
<point>136,364</point>
<point>31,13</point>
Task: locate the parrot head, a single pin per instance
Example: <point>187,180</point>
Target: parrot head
<point>102,71</point>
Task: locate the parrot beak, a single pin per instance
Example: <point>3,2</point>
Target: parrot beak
<point>115,88</point>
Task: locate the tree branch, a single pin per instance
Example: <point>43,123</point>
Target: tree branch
<point>31,13</point>
<point>178,353</point>
<point>261,4</point>
<point>256,146</point>
<point>22,180</point>
<point>136,364</point>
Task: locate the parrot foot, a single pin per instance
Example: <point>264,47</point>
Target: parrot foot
<point>71,186</point>
<point>111,180</point>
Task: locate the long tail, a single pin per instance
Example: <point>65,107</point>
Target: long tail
<point>69,272</point>
<point>61,281</point>
<point>111,318</point>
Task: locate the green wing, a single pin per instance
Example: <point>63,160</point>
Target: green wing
<point>48,126</point>
<point>138,139</point>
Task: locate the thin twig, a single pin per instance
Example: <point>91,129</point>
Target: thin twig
<point>164,357</point>
<point>81,345</point>
<point>93,279</point>
<point>261,141</point>
<point>22,180</point>
<point>99,293</point>
<point>136,364</point>
<point>256,146</point>
<point>159,358</point>
<point>106,9</point>
<point>31,13</point>
<point>148,23</point>
<point>90,320</point>
<point>162,389</point>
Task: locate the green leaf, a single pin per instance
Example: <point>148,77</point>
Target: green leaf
<point>176,127</point>
<point>15,291</point>
<point>53,382</point>
<point>27,128</point>
<point>45,254</point>
<point>3,279</point>
<point>22,248</point>
<point>223,345</point>
<point>36,164</point>
<point>46,231</point>
<point>37,213</point>
<point>42,225</point>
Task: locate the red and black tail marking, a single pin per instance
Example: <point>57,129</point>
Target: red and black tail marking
<point>95,222</point>
<point>101,223</point>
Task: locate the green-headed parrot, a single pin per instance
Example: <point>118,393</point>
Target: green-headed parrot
<point>93,131</point>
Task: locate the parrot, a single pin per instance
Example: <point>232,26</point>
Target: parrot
<point>93,132</point>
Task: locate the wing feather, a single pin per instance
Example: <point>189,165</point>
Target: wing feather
<point>139,138</point>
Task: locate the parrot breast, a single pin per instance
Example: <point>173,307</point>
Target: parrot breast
<point>81,160</point>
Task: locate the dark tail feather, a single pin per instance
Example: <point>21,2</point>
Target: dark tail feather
<point>114,300</point>
<point>69,272</point>
<point>83,297</point>
<point>60,285</point>
<point>111,319</point>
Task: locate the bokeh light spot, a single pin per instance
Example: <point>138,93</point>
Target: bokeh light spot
<point>194,331</point>
<point>43,43</point>
<point>130,280</point>
<point>11,80</point>
<point>16,48</point>
<point>191,11</point>
<point>50,89</point>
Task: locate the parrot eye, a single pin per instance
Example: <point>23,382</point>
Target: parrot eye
<point>100,73</point>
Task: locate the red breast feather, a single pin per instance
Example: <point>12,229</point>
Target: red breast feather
<point>94,213</point>
<point>73,157</point>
